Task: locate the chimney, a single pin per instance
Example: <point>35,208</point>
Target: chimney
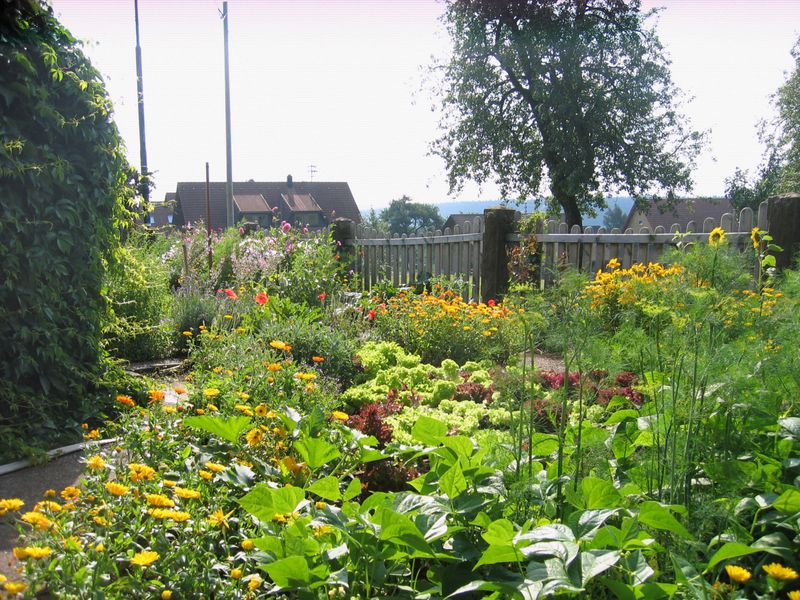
<point>289,182</point>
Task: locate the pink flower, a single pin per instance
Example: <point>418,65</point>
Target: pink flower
<point>322,297</point>
<point>286,227</point>
<point>261,298</point>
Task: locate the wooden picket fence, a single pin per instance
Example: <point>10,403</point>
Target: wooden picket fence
<point>592,249</point>
<point>406,260</point>
<point>457,253</point>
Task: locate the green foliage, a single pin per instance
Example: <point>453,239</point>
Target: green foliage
<point>137,327</point>
<point>536,89</point>
<point>403,216</point>
<point>66,188</point>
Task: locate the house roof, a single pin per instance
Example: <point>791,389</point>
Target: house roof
<point>300,202</point>
<point>460,218</point>
<point>683,211</point>
<point>160,213</point>
<point>251,203</point>
<point>333,197</point>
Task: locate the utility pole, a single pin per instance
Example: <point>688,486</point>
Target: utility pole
<point>229,167</point>
<point>145,186</point>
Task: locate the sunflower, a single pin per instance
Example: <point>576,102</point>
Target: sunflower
<point>716,237</point>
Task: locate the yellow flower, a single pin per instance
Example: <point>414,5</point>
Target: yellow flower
<point>142,559</point>
<point>339,415</point>
<point>217,370</point>
<point>236,573</point>
<point>274,367</point>
<point>248,545</point>
<point>102,521</point>
<point>320,530</point>
<point>187,333</point>
<point>47,506</point>
<point>613,263</point>
<point>166,595</point>
<point>794,595</point>
<point>200,411</point>
<point>779,572</point>
<point>738,574</point>
<point>155,395</point>
<point>96,462</point>
<point>38,520</point>
<point>213,407</point>
<point>320,505</point>
<point>70,493</point>
<point>215,467</point>
<point>116,489</point>
<point>254,437</point>
<point>10,504</point>
<point>35,552</point>
<point>278,345</point>
<point>755,237</point>
<point>167,483</point>
<point>716,237</point>
<point>140,472</point>
<point>243,396</point>
<point>179,516</point>
<point>159,500</point>
<point>100,547</point>
<point>261,410</point>
<point>15,587</point>
<point>219,518</point>
<point>254,583</point>
<point>169,409</point>
<point>211,392</point>
<point>187,494</point>
<point>207,475</point>
<point>245,410</point>
<point>94,434</point>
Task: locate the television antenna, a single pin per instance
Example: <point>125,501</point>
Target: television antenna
<point>312,170</point>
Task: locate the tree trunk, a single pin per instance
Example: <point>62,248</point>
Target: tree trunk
<point>572,214</point>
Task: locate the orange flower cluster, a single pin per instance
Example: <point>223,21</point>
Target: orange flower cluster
<point>623,286</point>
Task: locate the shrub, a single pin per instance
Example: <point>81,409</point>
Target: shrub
<point>66,187</point>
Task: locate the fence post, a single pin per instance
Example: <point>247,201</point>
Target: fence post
<point>783,214</point>
<point>498,223</point>
<point>342,231</point>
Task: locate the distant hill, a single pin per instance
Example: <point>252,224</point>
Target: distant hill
<point>477,206</point>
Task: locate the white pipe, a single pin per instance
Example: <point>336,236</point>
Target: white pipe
<point>56,452</point>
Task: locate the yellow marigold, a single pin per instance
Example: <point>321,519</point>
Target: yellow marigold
<point>179,389</point>
<point>101,521</point>
<point>11,504</point>
<point>248,545</point>
<point>147,557</point>
<point>211,392</point>
<point>100,547</point>
<point>94,434</point>
<point>70,493</point>
<point>207,475</point>
<point>159,500</point>
<point>779,572</point>
<point>15,587</point>
<point>339,415</point>
<point>20,553</point>
<point>245,410</point>
<point>320,505</point>
<point>278,345</point>
<point>140,472</point>
<point>96,462</point>
<point>214,467</point>
<point>187,333</point>
<point>187,494</point>
<point>261,410</point>
<point>716,237</point>
<point>38,520</point>
<point>47,506</point>
<point>179,516</point>
<point>116,489</point>
<point>35,551</point>
<point>49,493</point>
<point>320,530</point>
<point>306,376</point>
<point>254,583</point>
<point>166,595</point>
<point>200,411</point>
<point>613,263</point>
<point>168,483</point>
<point>212,407</point>
<point>236,573</point>
<point>243,396</point>
<point>254,437</point>
<point>155,395</point>
<point>318,359</point>
<point>794,595</point>
<point>274,367</point>
<point>738,574</point>
<point>219,518</point>
<point>169,409</point>
<point>126,400</point>
<point>310,387</point>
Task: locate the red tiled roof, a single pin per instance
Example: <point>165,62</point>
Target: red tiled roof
<point>334,198</point>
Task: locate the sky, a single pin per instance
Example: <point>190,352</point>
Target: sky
<point>340,84</point>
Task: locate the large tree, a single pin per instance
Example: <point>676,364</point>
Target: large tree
<point>404,216</point>
<point>576,93</point>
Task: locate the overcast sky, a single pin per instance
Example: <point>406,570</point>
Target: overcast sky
<point>338,84</point>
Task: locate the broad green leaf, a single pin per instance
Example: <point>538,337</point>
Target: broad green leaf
<point>353,489</point>
<point>788,501</point>
<point>657,516</point>
<point>429,431</point>
<point>399,528</point>
<point>599,493</point>
<point>500,532</point>
<point>228,429</point>
<point>289,572</point>
<point>791,424</point>
<point>594,562</point>
<point>264,502</point>
<point>622,415</point>
<point>327,488</point>
<point>499,554</point>
<point>461,446</point>
<point>316,451</point>
<point>453,482</point>
<point>543,444</point>
<point>729,551</point>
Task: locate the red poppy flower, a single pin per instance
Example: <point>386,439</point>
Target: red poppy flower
<point>261,298</point>
<point>491,302</point>
<point>371,315</point>
<point>230,293</point>
<point>322,297</point>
